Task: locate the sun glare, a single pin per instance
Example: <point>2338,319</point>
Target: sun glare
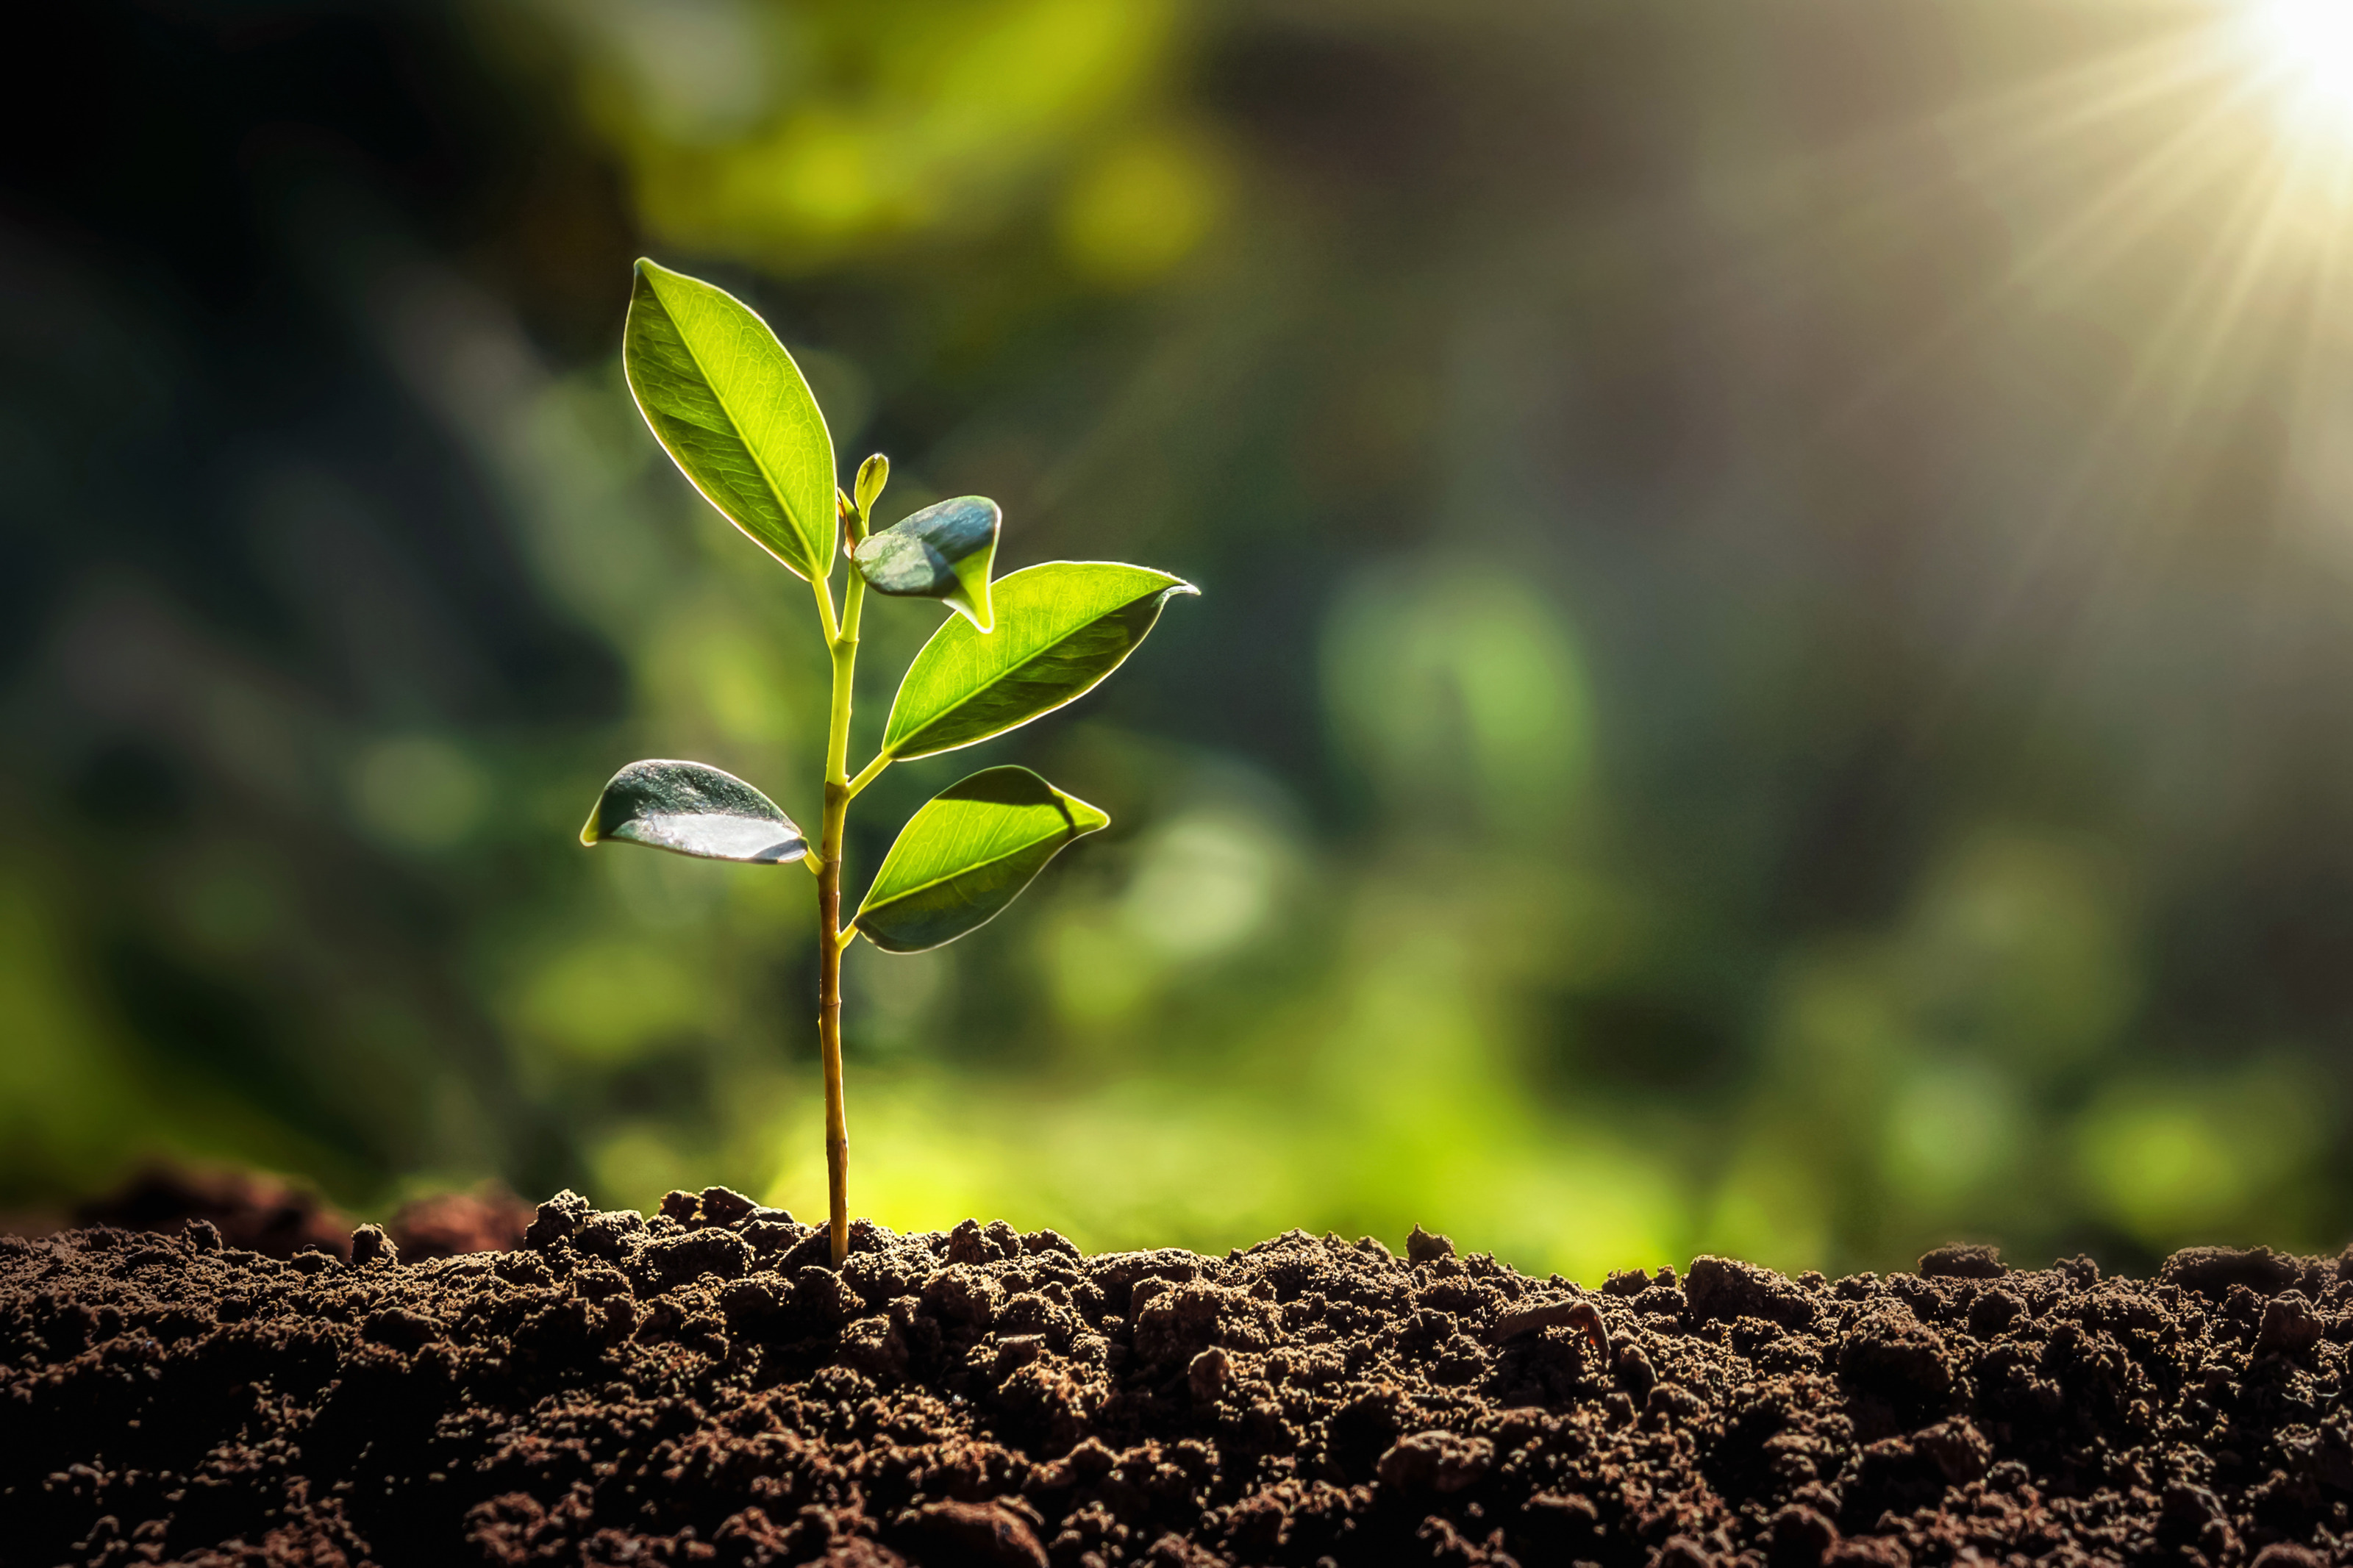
<point>2305,48</point>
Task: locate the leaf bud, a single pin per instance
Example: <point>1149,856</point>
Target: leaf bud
<point>873,475</point>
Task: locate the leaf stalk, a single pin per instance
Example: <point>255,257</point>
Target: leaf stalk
<point>869,773</point>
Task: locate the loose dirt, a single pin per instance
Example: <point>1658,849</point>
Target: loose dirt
<point>700,1387</point>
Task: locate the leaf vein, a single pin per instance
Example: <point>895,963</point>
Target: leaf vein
<point>867,903</point>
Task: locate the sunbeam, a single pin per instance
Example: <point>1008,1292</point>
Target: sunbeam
<point>2306,46</point>
<point>2219,152</point>
<point>2174,204</point>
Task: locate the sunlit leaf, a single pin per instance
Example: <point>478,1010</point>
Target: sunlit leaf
<point>694,809</point>
<point>944,551</point>
<point>966,855</point>
<point>728,402</point>
<point>873,475</point>
<point>1061,627</point>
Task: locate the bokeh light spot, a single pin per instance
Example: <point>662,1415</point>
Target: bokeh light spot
<point>2187,1160</point>
<point>607,1001</point>
<point>1207,883</point>
<point>1140,209</point>
<point>416,792</point>
<point>1950,1132</point>
<point>1446,680</point>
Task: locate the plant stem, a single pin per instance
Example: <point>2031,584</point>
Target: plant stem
<point>828,903</point>
<point>866,775</point>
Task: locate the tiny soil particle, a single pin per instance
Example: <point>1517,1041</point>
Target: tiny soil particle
<point>700,1387</point>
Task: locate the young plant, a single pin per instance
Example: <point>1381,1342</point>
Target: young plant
<point>730,406</point>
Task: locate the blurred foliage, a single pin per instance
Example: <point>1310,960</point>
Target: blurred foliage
<point>1772,676</point>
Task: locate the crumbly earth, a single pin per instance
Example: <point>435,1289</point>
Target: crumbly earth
<point>700,1387</point>
<point>268,1216</point>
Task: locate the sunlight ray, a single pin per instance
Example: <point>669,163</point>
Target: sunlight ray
<point>2100,460</point>
<point>2013,137</point>
<point>2027,123</point>
<point>2158,185</point>
<point>2127,471</point>
<point>2306,51</point>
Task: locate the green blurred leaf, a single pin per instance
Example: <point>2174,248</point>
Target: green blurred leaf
<point>729,404</point>
<point>966,855</point>
<point>1061,627</point>
<point>944,551</point>
<point>692,808</point>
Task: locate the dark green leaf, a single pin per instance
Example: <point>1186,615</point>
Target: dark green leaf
<point>1061,627</point>
<point>966,855</point>
<point>944,551</point>
<point>694,809</point>
<point>729,404</point>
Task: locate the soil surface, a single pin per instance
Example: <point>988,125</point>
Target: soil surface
<point>700,1387</point>
<point>264,1215</point>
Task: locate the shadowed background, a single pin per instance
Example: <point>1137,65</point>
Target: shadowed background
<point>1773,673</point>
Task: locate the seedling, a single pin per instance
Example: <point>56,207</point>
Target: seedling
<point>729,404</point>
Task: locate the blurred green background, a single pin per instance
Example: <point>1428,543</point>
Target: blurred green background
<point>1773,675</point>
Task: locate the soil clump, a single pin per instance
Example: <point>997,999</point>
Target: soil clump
<point>698,1386</point>
<point>262,1213</point>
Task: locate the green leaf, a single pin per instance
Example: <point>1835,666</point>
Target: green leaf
<point>729,404</point>
<point>944,551</point>
<point>1061,627</point>
<point>966,855</point>
<point>873,475</point>
<point>694,809</point>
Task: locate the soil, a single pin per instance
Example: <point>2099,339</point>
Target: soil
<point>262,1213</point>
<point>700,1387</point>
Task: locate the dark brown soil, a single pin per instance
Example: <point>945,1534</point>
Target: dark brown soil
<point>699,1388</point>
<point>262,1213</point>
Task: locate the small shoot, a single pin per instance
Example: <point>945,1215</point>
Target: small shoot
<point>873,475</point>
<point>726,401</point>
